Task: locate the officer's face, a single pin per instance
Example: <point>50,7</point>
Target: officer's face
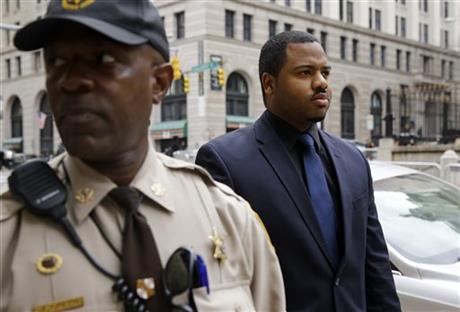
<point>299,93</point>
<point>101,93</point>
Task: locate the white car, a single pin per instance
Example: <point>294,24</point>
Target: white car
<point>420,217</point>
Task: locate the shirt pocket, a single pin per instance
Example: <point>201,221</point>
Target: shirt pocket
<point>234,296</point>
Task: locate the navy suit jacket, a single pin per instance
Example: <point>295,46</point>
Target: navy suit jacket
<point>254,162</point>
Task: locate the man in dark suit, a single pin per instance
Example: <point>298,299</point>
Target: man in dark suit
<point>312,190</point>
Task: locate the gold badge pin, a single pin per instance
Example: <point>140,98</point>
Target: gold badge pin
<point>76,4</point>
<point>84,195</point>
<point>49,263</point>
<point>218,244</point>
<point>145,288</point>
<point>158,189</point>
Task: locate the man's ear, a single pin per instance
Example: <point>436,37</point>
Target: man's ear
<point>161,81</point>
<point>268,83</point>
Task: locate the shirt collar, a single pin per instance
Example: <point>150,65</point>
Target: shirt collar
<point>88,187</point>
<point>287,133</point>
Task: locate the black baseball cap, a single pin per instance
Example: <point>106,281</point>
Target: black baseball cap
<point>132,22</point>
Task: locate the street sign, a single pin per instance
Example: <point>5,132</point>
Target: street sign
<point>203,67</point>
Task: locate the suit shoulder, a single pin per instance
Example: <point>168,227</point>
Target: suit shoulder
<point>233,138</point>
<point>342,144</point>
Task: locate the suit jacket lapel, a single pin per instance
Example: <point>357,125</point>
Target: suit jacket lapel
<point>274,152</point>
<point>338,162</point>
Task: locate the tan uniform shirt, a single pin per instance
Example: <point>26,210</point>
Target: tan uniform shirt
<point>182,205</point>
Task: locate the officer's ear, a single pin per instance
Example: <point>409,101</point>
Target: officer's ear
<point>161,81</point>
<point>268,84</point>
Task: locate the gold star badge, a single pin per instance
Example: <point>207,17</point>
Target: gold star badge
<point>84,195</point>
<point>49,263</point>
<point>158,189</point>
<point>145,288</point>
<point>218,244</point>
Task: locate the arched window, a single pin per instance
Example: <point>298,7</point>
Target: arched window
<point>16,118</point>
<point>237,96</point>
<point>174,105</point>
<point>376,112</point>
<point>45,119</point>
<point>347,109</point>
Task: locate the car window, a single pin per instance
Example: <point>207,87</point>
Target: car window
<point>420,217</point>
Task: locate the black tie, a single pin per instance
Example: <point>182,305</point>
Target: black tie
<point>141,265</point>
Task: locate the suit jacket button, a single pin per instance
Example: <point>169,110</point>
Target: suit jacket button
<point>337,281</point>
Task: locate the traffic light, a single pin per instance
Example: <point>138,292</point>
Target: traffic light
<point>186,82</point>
<point>221,76</point>
<point>175,63</point>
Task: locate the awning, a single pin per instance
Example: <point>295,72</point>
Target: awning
<point>13,143</point>
<point>169,129</point>
<point>236,122</point>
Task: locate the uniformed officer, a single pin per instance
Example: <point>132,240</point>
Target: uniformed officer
<point>106,63</point>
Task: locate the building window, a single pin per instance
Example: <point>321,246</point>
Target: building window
<point>378,20</point>
<point>8,68</point>
<point>237,96</point>
<point>347,114</point>
<point>420,32</point>
<point>341,10</point>
<point>308,5</point>
<point>8,37</point>
<point>46,127</point>
<point>343,48</point>
<point>425,5</point>
<point>287,27</point>
<point>446,9</point>
<point>272,28</point>
<point>163,21</point>
<point>407,61</point>
<point>180,25</point>
<point>426,64</point>
<point>349,12</point>
<point>372,54</point>
<point>443,68</point>
<point>398,59</point>
<point>16,118</point>
<point>376,112</point>
<point>451,70</point>
<point>287,3</point>
<point>383,52</point>
<point>18,66</point>
<point>318,7</point>
<point>403,27</point>
<point>18,4</point>
<point>370,18</point>
<point>247,27</point>
<point>323,40</point>
<point>7,6</point>
<point>229,24</point>
<point>355,50</point>
<point>37,61</point>
<point>311,31</point>
<point>396,25</point>
<point>174,105</point>
<point>425,33</point>
<point>403,2</point>
<point>446,39</point>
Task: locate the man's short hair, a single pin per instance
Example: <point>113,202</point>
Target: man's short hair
<point>273,53</point>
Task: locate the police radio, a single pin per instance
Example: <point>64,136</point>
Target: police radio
<point>44,195</point>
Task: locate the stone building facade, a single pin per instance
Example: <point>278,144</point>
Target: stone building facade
<point>393,70</point>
